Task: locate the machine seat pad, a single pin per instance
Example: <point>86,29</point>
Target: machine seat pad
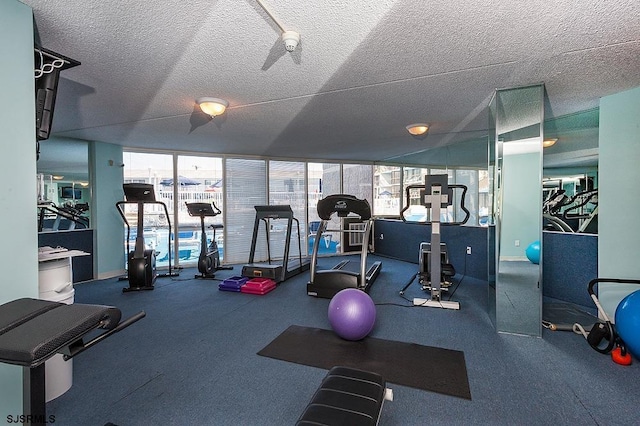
<point>32,330</point>
<point>448,270</point>
<point>346,396</point>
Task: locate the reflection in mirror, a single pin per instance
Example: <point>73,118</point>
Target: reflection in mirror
<point>570,176</point>
<point>64,193</point>
<point>464,161</point>
<point>517,202</point>
<point>570,203</point>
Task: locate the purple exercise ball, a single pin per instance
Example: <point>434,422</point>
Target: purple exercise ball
<point>352,314</point>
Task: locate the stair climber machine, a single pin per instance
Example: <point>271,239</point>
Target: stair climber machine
<point>436,272</point>
<point>141,262</point>
<point>326,283</point>
<point>209,259</point>
<point>285,269</point>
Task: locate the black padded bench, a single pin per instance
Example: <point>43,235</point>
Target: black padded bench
<point>347,396</point>
<point>33,330</point>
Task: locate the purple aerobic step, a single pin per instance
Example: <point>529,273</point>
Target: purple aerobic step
<point>232,284</point>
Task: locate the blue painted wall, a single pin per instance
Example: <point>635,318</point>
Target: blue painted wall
<point>18,194</point>
<point>106,177</point>
<point>402,241</point>
<point>569,262</point>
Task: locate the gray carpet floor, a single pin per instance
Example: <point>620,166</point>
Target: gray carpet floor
<point>193,360</point>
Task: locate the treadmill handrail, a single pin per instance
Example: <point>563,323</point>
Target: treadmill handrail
<point>362,275</point>
<point>276,211</point>
<point>343,205</point>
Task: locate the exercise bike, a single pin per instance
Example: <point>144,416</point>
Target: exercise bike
<point>209,259</point>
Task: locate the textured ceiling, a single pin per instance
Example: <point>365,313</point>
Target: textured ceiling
<point>362,72</point>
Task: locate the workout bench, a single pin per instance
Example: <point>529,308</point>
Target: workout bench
<point>347,396</point>
<point>33,330</point>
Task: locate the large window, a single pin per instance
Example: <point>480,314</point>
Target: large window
<point>199,181</point>
<point>322,179</point>
<point>287,187</point>
<point>468,178</point>
<point>357,180</point>
<point>154,169</point>
<point>387,194</point>
<point>237,185</point>
<point>245,187</point>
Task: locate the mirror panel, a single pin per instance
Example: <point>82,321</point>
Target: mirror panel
<point>64,192</point>
<point>492,169</point>
<point>570,174</point>
<point>519,117</point>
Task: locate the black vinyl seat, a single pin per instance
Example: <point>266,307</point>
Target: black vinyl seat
<point>34,330</point>
<point>346,396</point>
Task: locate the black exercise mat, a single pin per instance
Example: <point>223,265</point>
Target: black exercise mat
<point>407,364</point>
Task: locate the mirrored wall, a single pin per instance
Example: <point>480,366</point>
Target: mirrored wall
<point>64,191</point>
<point>570,173</point>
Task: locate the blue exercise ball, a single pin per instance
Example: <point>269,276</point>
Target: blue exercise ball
<point>352,314</point>
<point>533,252</point>
<point>628,322</point>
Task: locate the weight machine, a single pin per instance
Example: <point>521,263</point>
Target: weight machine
<point>435,269</point>
<point>209,259</point>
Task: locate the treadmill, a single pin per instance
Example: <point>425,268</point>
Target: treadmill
<point>346,274</point>
<point>286,268</point>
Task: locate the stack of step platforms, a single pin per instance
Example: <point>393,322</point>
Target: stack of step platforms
<point>258,286</point>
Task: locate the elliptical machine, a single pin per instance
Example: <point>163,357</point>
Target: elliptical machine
<point>141,262</point>
<point>209,259</point>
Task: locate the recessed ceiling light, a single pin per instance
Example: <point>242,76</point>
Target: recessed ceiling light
<point>549,142</point>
